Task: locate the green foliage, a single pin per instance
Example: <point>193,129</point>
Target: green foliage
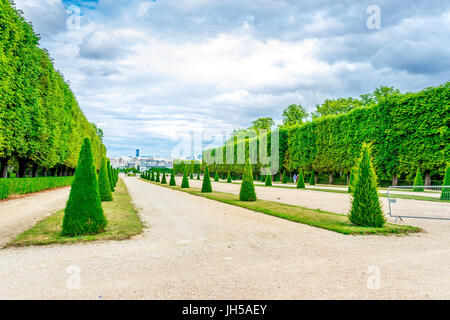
<point>192,176</point>
<point>164,180</point>
<point>229,180</point>
<point>158,178</point>
<point>301,180</point>
<point>172,182</point>
<point>84,214</point>
<point>216,177</point>
<point>418,182</point>
<point>192,165</point>
<point>331,107</point>
<point>268,180</point>
<point>41,122</point>
<point>206,186</point>
<point>263,123</point>
<point>294,114</point>
<point>445,194</point>
<point>352,179</point>
<point>185,182</point>
<point>285,178</point>
<point>110,175</point>
<point>263,178</point>
<point>11,187</point>
<point>247,192</point>
<point>198,176</point>
<point>153,176</point>
<point>366,207</point>
<point>103,183</point>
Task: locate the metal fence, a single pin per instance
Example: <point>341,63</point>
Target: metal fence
<point>437,207</point>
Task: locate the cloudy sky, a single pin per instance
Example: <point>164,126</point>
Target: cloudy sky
<point>150,72</point>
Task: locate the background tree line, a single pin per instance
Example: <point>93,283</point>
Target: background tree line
<point>41,124</point>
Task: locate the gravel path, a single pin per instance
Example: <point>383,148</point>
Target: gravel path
<point>19,215</point>
<point>196,248</point>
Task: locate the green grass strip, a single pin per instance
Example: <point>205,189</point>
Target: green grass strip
<point>313,217</point>
<point>123,223</point>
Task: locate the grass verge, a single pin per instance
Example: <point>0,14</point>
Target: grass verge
<point>344,191</point>
<point>313,217</point>
<point>123,223</point>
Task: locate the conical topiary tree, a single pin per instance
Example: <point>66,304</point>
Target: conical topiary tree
<point>185,182</point>
<point>84,214</point>
<point>284,180</point>
<point>172,182</point>
<point>366,207</point>
<point>312,179</point>
<point>111,184</point>
<point>301,181</point>
<point>103,183</point>
<point>153,176</point>
<point>216,177</point>
<point>158,178</point>
<point>445,193</point>
<point>418,182</point>
<point>206,186</point>
<point>229,178</point>
<point>198,176</point>
<point>263,178</point>
<point>352,179</point>
<point>164,180</point>
<point>268,180</point>
<point>192,176</point>
<point>247,192</point>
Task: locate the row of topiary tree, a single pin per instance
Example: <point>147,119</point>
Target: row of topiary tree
<point>41,124</point>
<point>84,213</point>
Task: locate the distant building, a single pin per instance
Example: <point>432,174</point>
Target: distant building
<point>137,153</point>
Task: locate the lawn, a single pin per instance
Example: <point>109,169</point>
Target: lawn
<point>313,217</point>
<point>123,223</point>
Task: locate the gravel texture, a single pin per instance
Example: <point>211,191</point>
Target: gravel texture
<point>196,248</point>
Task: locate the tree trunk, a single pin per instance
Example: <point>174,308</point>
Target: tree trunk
<point>316,178</point>
<point>66,170</point>
<point>60,171</point>
<point>44,172</point>
<point>3,168</point>
<point>348,178</point>
<point>22,168</point>
<point>330,178</point>
<point>427,178</point>
<point>394,180</point>
<point>53,171</point>
<point>34,173</point>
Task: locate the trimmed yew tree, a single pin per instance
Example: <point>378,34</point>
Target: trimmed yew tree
<point>285,178</point>
<point>418,182</point>
<point>216,177</point>
<point>164,180</point>
<point>110,177</point>
<point>153,176</point>
<point>84,213</point>
<point>229,178</point>
<point>445,194</point>
<point>172,182</point>
<point>351,181</point>
<point>301,180</point>
<point>103,183</point>
<point>192,176</point>
<point>366,207</point>
<point>185,182</point>
<point>268,180</point>
<point>198,176</point>
<point>206,186</point>
<point>158,178</point>
<point>247,192</point>
<point>312,179</point>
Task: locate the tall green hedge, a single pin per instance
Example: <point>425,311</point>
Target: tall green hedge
<point>41,123</point>
<point>11,187</point>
